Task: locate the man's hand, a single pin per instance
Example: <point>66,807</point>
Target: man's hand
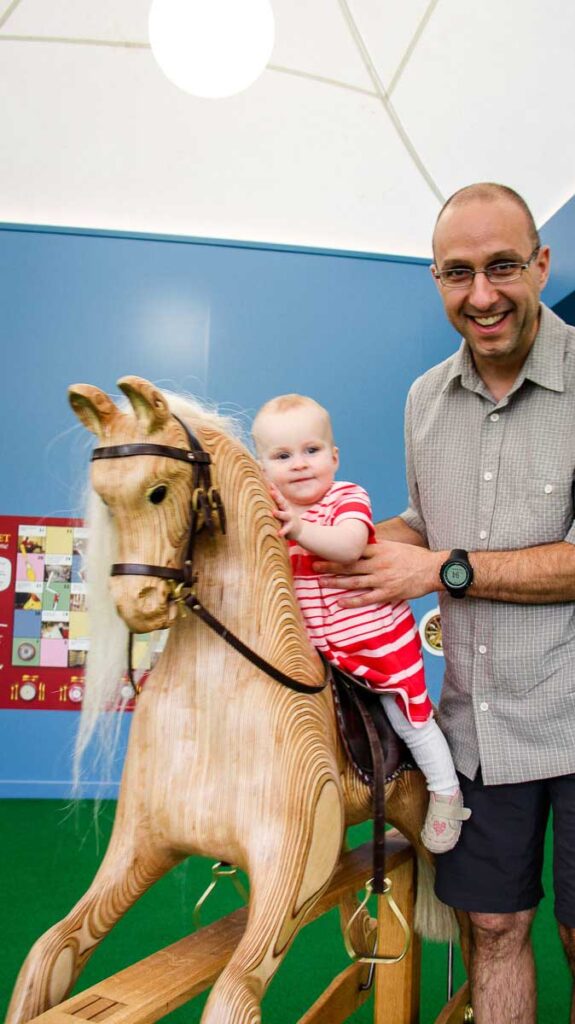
<point>387,572</point>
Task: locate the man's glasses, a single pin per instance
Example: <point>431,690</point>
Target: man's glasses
<point>502,272</point>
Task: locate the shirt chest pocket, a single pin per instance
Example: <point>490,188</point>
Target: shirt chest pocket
<point>550,505</point>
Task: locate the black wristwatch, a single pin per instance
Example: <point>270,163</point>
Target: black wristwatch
<point>456,573</point>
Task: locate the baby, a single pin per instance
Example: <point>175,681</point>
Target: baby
<point>322,518</point>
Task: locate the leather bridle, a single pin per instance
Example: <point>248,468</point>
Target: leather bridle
<point>206,509</point>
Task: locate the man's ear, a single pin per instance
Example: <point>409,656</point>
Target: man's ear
<point>543,264</point>
<point>433,271</point>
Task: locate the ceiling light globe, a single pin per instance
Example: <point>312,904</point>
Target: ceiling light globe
<point>211,48</point>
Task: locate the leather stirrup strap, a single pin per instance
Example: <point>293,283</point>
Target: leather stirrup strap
<point>378,761</point>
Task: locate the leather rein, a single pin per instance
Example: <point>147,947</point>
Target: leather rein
<point>206,510</point>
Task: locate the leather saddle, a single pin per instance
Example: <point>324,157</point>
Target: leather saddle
<point>357,705</point>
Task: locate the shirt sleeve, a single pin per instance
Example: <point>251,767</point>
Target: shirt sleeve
<point>353,503</point>
<point>412,515</point>
<point>570,538</point>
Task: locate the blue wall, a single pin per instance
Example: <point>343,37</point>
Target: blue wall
<point>231,323</point>
<point>559,232</point>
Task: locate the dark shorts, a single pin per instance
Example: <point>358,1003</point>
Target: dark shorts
<point>496,866</point>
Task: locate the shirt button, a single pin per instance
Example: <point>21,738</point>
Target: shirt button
<point>494,417</point>
<point>548,488</point>
<point>482,534</point>
<point>482,649</point>
<point>488,476</point>
<point>484,705</point>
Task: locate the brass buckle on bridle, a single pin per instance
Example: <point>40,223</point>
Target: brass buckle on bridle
<point>202,510</point>
<point>180,591</point>
<point>217,506</point>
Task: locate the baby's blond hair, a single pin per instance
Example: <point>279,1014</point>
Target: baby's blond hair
<point>283,403</point>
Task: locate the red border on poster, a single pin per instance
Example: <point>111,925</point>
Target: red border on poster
<point>42,613</point>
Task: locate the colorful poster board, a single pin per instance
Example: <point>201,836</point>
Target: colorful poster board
<point>43,621</point>
<point>43,616</point>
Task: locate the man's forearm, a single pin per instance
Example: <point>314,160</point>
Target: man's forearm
<point>398,530</point>
<point>539,575</point>
<point>392,571</point>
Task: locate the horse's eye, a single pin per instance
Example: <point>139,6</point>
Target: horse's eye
<point>158,494</point>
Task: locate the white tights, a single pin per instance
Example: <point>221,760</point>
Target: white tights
<point>428,746</point>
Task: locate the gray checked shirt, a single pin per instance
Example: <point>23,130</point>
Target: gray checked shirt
<point>491,476</point>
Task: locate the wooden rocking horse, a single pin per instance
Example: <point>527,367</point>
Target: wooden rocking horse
<point>222,761</point>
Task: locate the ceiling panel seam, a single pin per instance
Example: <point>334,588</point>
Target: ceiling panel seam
<point>71,41</point>
<point>323,79</point>
<point>386,102</point>
<point>413,43</point>
<point>10,10</point>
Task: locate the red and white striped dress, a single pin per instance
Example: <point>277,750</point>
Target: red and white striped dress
<point>379,643</point>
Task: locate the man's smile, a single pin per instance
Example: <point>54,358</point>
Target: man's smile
<point>488,324</point>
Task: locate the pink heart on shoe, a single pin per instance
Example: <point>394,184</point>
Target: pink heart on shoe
<point>439,827</point>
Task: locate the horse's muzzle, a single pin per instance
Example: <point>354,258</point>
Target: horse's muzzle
<point>143,602</point>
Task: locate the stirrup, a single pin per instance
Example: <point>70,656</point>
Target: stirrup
<point>376,958</point>
<point>221,869</point>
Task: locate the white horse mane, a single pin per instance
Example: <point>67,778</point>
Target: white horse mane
<point>107,661</point>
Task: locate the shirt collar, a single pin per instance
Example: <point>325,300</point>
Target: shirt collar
<point>543,366</point>
<point>545,362</point>
<point>463,367</point>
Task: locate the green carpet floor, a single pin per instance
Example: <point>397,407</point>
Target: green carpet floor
<point>50,851</point>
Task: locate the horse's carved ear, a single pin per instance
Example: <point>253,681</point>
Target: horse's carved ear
<point>93,407</point>
<point>148,403</point>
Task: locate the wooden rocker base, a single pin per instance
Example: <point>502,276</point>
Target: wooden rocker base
<point>151,988</point>
<point>454,1011</point>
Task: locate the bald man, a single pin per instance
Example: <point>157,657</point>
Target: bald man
<point>490,451</point>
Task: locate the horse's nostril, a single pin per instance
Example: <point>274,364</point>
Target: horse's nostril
<point>150,597</point>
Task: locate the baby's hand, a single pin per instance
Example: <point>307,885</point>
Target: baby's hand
<point>291,522</point>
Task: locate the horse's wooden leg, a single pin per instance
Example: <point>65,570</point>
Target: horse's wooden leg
<point>286,879</point>
<point>59,955</point>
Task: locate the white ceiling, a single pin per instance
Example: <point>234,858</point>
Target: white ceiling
<point>368,115</point>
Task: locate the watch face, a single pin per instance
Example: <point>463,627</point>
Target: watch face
<point>456,574</point>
